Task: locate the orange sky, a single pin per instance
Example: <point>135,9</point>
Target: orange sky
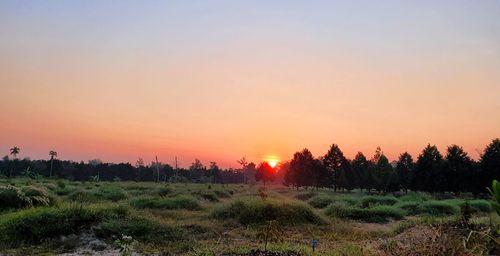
<point>218,91</point>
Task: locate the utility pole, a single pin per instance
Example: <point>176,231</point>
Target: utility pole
<point>157,170</point>
<point>176,170</point>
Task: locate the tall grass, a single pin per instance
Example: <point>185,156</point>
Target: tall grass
<point>255,211</point>
<point>379,213</point>
<point>179,202</point>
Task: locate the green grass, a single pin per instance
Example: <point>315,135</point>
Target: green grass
<point>254,211</point>
<point>320,201</point>
<point>139,228</point>
<point>380,214</point>
<point>38,224</point>
<point>179,202</point>
<point>369,201</point>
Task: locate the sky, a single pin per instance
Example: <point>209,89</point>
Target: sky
<point>218,80</point>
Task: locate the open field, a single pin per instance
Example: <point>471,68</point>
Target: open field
<point>55,217</point>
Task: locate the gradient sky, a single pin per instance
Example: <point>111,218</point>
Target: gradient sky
<point>219,80</point>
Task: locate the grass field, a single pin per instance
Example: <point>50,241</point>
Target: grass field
<point>56,216</point>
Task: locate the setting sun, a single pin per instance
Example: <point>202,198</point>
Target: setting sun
<point>272,162</point>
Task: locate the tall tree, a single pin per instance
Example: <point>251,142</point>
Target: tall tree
<point>360,166</point>
<point>300,172</point>
<point>14,151</point>
<point>336,163</point>
<point>243,162</point>
<point>458,166</point>
<point>427,169</point>
<point>404,170</point>
<point>384,173</point>
<point>52,154</point>
<point>214,172</point>
<point>490,163</point>
<point>265,173</point>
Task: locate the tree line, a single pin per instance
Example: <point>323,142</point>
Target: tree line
<point>454,171</point>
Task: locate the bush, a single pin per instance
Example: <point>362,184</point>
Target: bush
<point>35,225</point>
<point>221,194</point>
<point>369,201</point>
<point>411,208</point>
<point>83,196</point>
<point>139,228</point>
<point>482,206</point>
<point>439,208</point>
<point>29,196</point>
<point>164,191</point>
<point>306,195</point>
<point>320,201</point>
<point>12,197</point>
<point>38,196</point>
<point>111,193</point>
<point>179,202</point>
<point>258,212</point>
<point>415,197</point>
<point>379,214</point>
<point>64,191</point>
<point>39,224</point>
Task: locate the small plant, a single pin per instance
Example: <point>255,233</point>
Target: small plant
<point>271,232</point>
<point>466,212</point>
<point>125,245</point>
<point>262,193</point>
<point>495,193</point>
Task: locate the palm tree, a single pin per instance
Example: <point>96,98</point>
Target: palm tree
<point>13,151</point>
<point>52,154</point>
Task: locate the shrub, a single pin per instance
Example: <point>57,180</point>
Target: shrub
<point>164,191</point>
<point>39,224</point>
<point>415,197</point>
<point>139,228</point>
<point>320,201</point>
<point>111,193</point>
<point>64,191</point>
<point>411,208</point>
<point>179,202</point>
<point>258,212</point>
<point>210,196</point>
<point>439,208</point>
<point>61,184</point>
<point>305,195</point>
<point>480,206</point>
<point>38,196</point>
<point>369,201</point>
<point>221,194</point>
<point>83,196</point>
<point>376,214</point>
<point>12,197</point>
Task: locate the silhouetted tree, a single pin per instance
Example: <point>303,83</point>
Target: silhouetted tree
<point>458,166</point>
<point>300,173</point>
<point>265,173</point>
<point>404,170</point>
<point>52,155</point>
<point>490,163</point>
<point>360,166</point>
<point>214,172</point>
<point>429,165</point>
<point>336,163</point>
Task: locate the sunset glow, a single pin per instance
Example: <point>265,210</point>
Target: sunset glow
<point>218,80</point>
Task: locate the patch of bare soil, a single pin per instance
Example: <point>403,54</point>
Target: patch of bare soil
<point>91,245</point>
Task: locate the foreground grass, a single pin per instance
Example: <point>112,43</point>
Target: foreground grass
<point>37,216</point>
